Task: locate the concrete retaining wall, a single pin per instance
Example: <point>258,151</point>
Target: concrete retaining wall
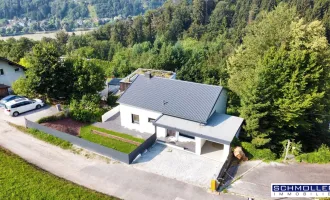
<point>117,155</point>
<point>110,113</point>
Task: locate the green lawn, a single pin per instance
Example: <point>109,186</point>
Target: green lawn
<point>21,180</point>
<point>45,137</point>
<point>86,133</point>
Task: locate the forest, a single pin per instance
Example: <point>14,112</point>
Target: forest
<point>28,16</point>
<point>271,55</point>
<point>42,9</point>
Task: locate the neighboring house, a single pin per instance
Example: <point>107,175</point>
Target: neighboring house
<point>114,85</point>
<point>9,73</point>
<point>126,82</point>
<point>188,115</point>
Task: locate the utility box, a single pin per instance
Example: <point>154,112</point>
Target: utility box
<point>58,107</point>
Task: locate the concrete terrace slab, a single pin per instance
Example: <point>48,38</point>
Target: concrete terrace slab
<point>178,164</point>
<point>114,124</point>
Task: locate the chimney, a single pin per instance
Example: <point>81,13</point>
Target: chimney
<point>148,75</point>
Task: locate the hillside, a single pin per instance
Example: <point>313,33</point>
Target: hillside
<point>26,16</point>
<point>272,56</point>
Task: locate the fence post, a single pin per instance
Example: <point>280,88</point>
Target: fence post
<point>287,150</point>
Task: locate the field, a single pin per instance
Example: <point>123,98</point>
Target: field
<point>21,180</point>
<point>39,36</point>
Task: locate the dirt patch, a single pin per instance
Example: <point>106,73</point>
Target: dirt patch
<point>66,125</point>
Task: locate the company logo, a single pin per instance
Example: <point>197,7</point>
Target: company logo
<point>300,190</point>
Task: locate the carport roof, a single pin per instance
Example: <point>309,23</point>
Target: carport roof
<point>221,128</point>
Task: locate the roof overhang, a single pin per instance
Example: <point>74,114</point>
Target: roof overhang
<point>221,128</point>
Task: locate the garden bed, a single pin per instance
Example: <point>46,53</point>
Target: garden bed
<point>66,125</point>
<point>110,141</point>
<point>118,141</point>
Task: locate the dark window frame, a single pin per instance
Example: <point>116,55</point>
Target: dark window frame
<point>17,69</point>
<point>2,72</point>
<point>135,121</point>
<point>150,120</point>
<point>187,136</point>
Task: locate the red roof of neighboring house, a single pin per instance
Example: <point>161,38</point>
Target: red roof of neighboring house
<point>2,86</point>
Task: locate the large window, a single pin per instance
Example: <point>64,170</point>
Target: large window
<point>135,119</point>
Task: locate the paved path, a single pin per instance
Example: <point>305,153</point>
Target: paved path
<point>119,180</point>
<point>180,165</point>
<point>33,115</point>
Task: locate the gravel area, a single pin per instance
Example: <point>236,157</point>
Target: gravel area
<point>178,164</point>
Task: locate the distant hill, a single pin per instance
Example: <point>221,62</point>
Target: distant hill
<point>24,16</point>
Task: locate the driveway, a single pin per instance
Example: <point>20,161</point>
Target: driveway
<point>115,179</point>
<point>258,176</point>
<point>33,115</point>
<point>178,164</point>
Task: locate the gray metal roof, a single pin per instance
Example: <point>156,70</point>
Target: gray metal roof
<point>187,100</point>
<point>221,128</point>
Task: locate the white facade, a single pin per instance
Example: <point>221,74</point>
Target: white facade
<point>221,104</point>
<point>199,142</point>
<point>144,125</point>
<point>10,73</point>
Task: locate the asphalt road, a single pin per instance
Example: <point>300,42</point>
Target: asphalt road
<point>115,179</point>
<point>257,181</point>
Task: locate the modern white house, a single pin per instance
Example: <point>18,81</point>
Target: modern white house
<point>188,115</point>
<point>9,73</point>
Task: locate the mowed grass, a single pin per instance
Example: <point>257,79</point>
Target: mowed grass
<point>86,133</point>
<point>21,180</point>
<point>44,136</point>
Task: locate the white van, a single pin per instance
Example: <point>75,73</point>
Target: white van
<point>18,106</point>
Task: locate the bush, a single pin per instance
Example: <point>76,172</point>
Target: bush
<point>253,153</point>
<point>112,100</point>
<point>321,156</point>
<point>51,118</point>
<point>87,110</point>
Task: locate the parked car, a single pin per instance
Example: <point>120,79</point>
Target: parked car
<point>9,98</point>
<point>18,106</point>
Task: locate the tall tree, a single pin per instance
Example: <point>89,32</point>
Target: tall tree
<point>282,78</point>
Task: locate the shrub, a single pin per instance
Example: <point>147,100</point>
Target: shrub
<point>253,153</point>
<point>51,118</point>
<point>321,156</point>
<point>87,109</point>
<point>112,100</point>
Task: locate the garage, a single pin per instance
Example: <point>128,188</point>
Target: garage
<point>4,90</point>
<point>211,140</point>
